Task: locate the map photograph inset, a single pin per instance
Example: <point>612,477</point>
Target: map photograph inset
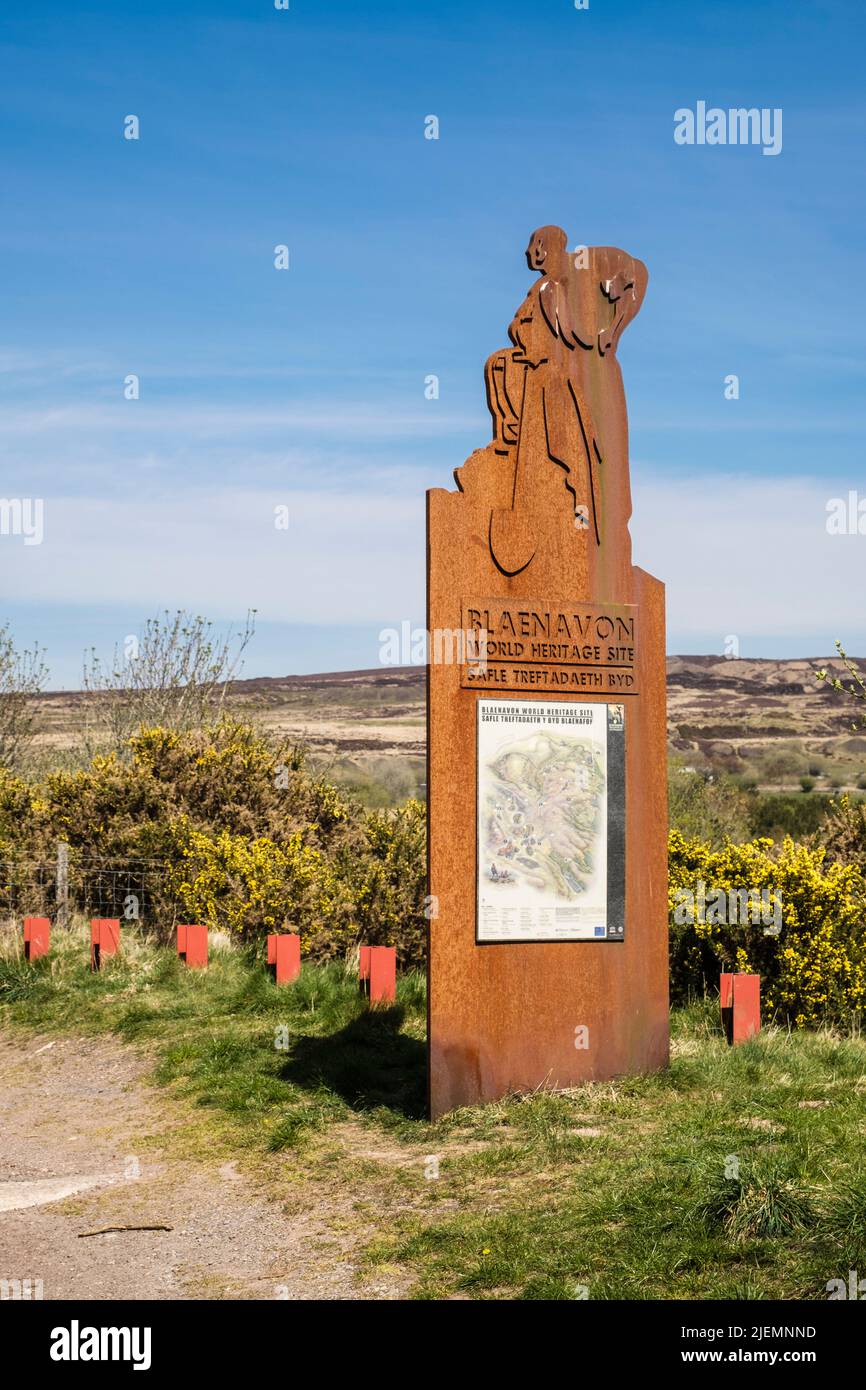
<point>541,813</point>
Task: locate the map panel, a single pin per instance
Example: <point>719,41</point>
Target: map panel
<point>551,819</point>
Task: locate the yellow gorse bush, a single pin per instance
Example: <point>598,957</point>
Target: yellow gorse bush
<point>256,885</point>
<point>810,946</point>
<point>246,885</point>
<point>238,831</point>
<point>251,839</point>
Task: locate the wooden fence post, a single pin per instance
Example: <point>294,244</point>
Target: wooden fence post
<point>61,894</point>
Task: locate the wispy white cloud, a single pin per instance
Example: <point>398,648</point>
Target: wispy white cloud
<point>741,422</point>
<point>742,555</point>
<point>750,556</point>
<point>346,418</point>
<point>345,557</point>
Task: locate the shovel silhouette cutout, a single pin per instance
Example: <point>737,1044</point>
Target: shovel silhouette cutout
<point>513,541</point>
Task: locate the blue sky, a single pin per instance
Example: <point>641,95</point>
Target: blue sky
<point>305,387</point>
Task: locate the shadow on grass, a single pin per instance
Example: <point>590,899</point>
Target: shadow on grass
<point>369,1063</point>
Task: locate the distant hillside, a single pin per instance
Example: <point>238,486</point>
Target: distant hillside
<point>770,720</point>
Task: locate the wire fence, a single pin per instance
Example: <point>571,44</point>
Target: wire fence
<point>134,890</point>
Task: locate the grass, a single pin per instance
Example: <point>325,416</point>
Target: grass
<point>736,1174</point>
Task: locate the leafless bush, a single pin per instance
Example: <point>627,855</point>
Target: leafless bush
<point>176,675</point>
<point>22,675</point>
<point>855,688</point>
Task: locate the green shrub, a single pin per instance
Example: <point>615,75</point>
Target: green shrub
<point>775,815</point>
<point>708,805</point>
<point>843,832</point>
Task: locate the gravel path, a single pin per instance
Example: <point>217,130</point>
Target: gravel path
<point>74,1117</point>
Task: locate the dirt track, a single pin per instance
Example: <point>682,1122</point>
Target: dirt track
<point>83,1145</point>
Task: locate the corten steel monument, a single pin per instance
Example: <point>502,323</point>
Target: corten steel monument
<point>546,715</point>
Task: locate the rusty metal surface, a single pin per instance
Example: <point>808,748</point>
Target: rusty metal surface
<point>542,514</point>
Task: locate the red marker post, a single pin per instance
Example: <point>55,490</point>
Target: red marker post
<point>284,957</point>
<point>740,1003</point>
<point>192,945</point>
<point>383,974</point>
<point>104,940</point>
<point>37,937</point>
